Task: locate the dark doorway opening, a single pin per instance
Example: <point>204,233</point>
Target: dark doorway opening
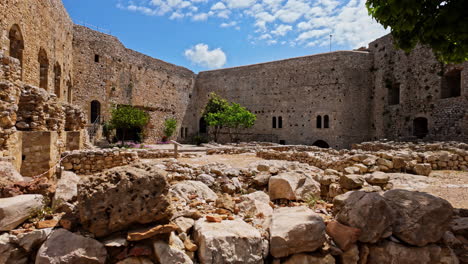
<point>451,84</point>
<point>319,121</point>
<point>95,111</point>
<point>43,69</point>
<point>282,142</point>
<point>420,127</point>
<point>203,127</point>
<point>16,43</point>
<point>321,144</point>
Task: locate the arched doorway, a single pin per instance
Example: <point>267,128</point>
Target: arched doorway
<point>321,144</point>
<point>420,127</point>
<point>69,90</point>
<point>16,45</point>
<point>202,126</point>
<point>43,69</point>
<point>95,111</point>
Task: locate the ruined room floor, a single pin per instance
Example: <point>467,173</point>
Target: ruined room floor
<point>449,185</point>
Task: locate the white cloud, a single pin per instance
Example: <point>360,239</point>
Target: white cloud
<point>218,6</point>
<point>200,17</point>
<point>281,30</point>
<point>201,55</point>
<point>305,23</point>
<point>231,24</point>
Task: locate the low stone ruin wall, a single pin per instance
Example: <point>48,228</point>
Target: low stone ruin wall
<point>420,147</point>
<point>359,162</point>
<point>87,162</point>
<point>154,154</point>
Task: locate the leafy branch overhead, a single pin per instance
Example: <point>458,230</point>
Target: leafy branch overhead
<point>442,25</point>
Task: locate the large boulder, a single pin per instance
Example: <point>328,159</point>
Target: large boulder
<point>65,247</point>
<point>292,186</point>
<point>257,205</point>
<point>116,199</point>
<point>228,242</point>
<point>15,210</point>
<point>170,254</point>
<point>295,230</point>
<point>421,218</point>
<point>369,212</point>
<point>67,188</point>
<point>388,252</point>
<point>351,181</point>
<point>183,190</point>
<point>8,171</point>
<point>9,252</point>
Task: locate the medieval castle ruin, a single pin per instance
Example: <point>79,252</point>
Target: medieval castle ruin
<point>309,190</point>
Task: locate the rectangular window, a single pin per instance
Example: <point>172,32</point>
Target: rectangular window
<point>451,84</point>
<point>96,58</point>
<point>394,94</point>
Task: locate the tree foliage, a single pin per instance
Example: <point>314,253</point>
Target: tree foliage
<point>128,117</point>
<point>170,126</point>
<point>219,114</point>
<point>440,24</point>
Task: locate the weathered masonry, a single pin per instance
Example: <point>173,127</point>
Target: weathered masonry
<point>328,100</point>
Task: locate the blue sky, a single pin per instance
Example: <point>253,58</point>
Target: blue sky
<point>206,34</point>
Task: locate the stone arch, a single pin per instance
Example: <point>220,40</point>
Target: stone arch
<point>273,122</point>
<point>16,43</point>
<point>43,69</point>
<point>319,122</point>
<point>202,126</point>
<point>57,79</point>
<point>326,121</point>
<point>280,122</point>
<point>321,144</point>
<point>95,111</point>
<point>420,127</point>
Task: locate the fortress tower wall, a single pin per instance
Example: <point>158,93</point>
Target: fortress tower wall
<point>428,90</point>
<point>298,90</point>
<point>111,74</point>
<point>35,26</point>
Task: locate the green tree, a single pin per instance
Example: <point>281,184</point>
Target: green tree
<point>170,126</point>
<point>440,24</point>
<point>237,117</point>
<point>212,113</point>
<point>127,117</point>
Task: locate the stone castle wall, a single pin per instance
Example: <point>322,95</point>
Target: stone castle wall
<point>42,25</point>
<point>108,72</point>
<point>420,79</point>
<point>298,90</point>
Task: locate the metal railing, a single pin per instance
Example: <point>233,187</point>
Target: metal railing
<point>94,127</point>
<point>93,27</point>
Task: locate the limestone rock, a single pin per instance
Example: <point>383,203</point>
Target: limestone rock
<point>7,171</point>
<point>67,188</point>
<point>184,224</point>
<point>292,186</point>
<point>170,255</point>
<point>351,181</point>
<point>377,178</point>
<point>15,210</point>
<point>309,259</point>
<point>228,242</point>
<point>288,229</point>
<point>350,256</point>
<point>65,247</point>
<point>344,236</point>
<point>388,252</point>
<point>185,189</point>
<point>460,226</point>
<point>421,218</point>
<point>257,205</point>
<point>369,212</point>
<point>32,240</point>
<point>114,200</point>
<point>423,169</point>
<point>9,253</point>
<point>206,179</point>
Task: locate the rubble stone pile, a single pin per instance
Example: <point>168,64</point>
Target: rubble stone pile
<point>75,118</point>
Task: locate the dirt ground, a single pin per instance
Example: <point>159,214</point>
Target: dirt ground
<point>449,185</point>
